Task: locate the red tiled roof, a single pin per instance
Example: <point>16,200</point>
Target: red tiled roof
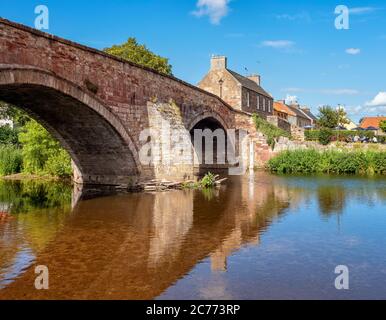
<point>371,122</point>
<point>281,107</point>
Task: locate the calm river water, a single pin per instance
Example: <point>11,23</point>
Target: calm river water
<point>258,237</point>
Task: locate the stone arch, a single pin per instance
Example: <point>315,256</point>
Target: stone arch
<point>205,115</point>
<point>100,146</point>
<point>213,121</point>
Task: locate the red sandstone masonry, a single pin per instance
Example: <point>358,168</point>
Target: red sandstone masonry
<point>122,90</point>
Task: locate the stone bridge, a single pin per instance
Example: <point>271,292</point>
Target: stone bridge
<point>97,105</point>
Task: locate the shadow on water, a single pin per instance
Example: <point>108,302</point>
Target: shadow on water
<point>137,246</point>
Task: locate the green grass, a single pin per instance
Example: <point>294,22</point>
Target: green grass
<point>338,162</point>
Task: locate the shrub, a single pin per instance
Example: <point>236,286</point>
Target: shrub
<point>325,136</point>
<point>313,161</point>
<point>8,135</point>
<point>311,135</point>
<point>208,181</point>
<point>41,152</point>
<point>269,130</point>
<point>59,164</point>
<point>10,160</point>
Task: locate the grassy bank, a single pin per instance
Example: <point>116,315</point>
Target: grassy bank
<point>338,162</point>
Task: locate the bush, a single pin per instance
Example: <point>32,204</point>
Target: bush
<point>41,152</point>
<point>311,135</point>
<point>325,136</point>
<point>59,165</point>
<point>313,161</point>
<point>269,130</point>
<point>208,181</point>
<point>344,135</point>
<point>10,160</point>
<point>8,135</point>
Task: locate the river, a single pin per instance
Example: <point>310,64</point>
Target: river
<point>257,237</point>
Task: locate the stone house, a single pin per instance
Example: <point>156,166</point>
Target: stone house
<point>294,114</point>
<point>242,93</point>
<point>281,110</point>
<point>302,120</point>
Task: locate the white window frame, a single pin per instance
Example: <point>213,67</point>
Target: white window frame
<point>264,105</point>
<point>258,101</point>
<point>248,99</point>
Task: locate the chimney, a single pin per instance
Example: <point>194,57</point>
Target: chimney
<point>255,78</point>
<point>281,101</point>
<point>218,62</point>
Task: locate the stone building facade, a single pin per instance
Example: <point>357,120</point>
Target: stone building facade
<point>242,93</point>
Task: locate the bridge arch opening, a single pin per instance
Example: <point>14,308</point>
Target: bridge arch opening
<point>99,146</point>
<point>210,142</point>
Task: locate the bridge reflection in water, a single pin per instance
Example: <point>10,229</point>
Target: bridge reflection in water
<point>132,246</point>
<point>256,237</point>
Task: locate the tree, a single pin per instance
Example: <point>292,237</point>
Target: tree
<point>18,116</point>
<point>328,117</point>
<point>140,54</point>
<point>42,153</point>
<point>382,125</point>
<point>342,116</point>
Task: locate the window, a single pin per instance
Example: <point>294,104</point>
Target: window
<point>248,99</point>
<point>258,102</point>
<point>264,106</point>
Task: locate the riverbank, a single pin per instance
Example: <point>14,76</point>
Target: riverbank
<point>329,161</point>
<point>28,176</point>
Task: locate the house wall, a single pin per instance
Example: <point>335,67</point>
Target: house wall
<point>230,91</point>
<point>253,106</point>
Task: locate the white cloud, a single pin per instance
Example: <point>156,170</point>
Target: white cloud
<point>294,17</point>
<point>353,51</point>
<point>362,10</point>
<point>215,9</point>
<point>278,44</point>
<point>291,99</point>
<point>378,101</point>
<point>348,92</point>
<point>293,89</point>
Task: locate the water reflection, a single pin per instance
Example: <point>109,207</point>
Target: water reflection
<point>137,246</point>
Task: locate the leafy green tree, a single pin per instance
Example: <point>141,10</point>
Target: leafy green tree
<point>8,135</point>
<point>328,117</point>
<point>18,116</point>
<point>140,54</point>
<point>382,125</point>
<point>342,117</point>
<point>41,153</point>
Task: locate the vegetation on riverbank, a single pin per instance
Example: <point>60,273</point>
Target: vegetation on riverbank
<point>271,132</point>
<point>29,149</point>
<point>331,161</point>
<point>325,136</point>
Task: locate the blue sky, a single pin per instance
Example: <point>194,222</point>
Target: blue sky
<point>294,45</point>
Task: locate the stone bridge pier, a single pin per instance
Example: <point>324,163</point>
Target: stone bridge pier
<point>100,107</point>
